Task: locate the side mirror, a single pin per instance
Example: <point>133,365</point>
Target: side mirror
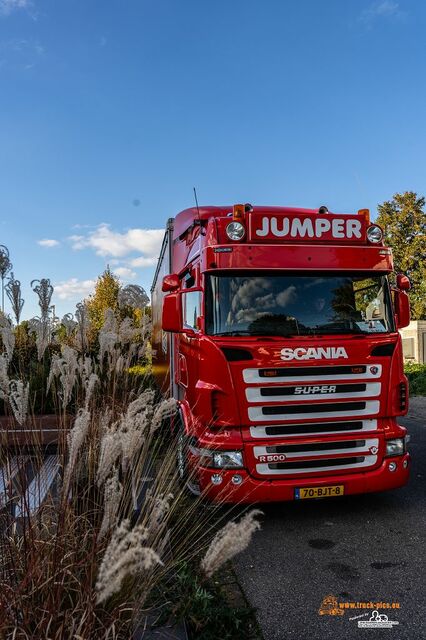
<point>170,282</point>
<point>172,313</point>
<point>402,308</point>
<point>403,282</point>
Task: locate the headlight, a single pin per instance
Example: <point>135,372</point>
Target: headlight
<point>228,459</point>
<point>218,459</point>
<point>395,447</point>
<point>235,231</point>
<point>374,234</point>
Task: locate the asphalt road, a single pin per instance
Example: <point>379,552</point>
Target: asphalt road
<point>359,549</point>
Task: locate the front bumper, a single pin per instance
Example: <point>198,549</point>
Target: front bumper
<point>252,490</point>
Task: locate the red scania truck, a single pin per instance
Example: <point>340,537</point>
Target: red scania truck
<point>276,330</point>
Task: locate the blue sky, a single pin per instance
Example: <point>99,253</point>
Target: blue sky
<point>112,111</point>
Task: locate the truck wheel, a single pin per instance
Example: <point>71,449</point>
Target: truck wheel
<point>188,482</point>
<point>182,449</point>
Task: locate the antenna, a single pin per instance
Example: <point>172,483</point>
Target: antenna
<point>196,203</point>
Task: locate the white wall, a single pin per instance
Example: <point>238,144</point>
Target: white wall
<point>414,341</point>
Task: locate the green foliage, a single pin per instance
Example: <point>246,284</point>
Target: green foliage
<point>26,366</point>
<point>204,606</point>
<point>104,297</point>
<point>416,374</point>
<point>404,222</point>
<point>140,370</point>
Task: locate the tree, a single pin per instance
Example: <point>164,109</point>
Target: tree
<point>403,220</point>
<point>104,297</point>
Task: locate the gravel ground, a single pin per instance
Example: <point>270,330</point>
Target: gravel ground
<point>417,408</point>
<point>359,549</point>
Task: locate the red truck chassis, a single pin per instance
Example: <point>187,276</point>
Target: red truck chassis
<point>276,330</point>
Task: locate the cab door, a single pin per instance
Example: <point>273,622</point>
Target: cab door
<point>188,346</point>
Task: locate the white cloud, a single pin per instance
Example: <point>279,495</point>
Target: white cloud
<point>77,242</point>
<point>381,9</point>
<point>74,289</point>
<point>8,6</point>
<point>144,262</point>
<point>47,242</point>
<point>106,242</point>
<point>20,54</point>
<point>125,273</point>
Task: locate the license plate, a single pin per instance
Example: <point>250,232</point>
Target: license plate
<point>319,492</point>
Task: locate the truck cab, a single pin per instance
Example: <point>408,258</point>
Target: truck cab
<point>276,330</point>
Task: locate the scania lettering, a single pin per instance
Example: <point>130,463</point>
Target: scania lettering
<point>329,353</point>
<point>275,329</point>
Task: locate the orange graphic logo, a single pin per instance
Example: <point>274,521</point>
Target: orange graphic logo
<point>330,607</point>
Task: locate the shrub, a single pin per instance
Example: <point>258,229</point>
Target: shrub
<point>416,374</point>
<point>95,560</point>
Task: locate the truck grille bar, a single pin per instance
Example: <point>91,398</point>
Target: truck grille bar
<point>309,464</point>
<point>317,446</point>
<point>322,428</point>
<point>317,374</point>
<point>318,465</point>
<point>312,392</point>
<point>285,452</point>
<point>309,411</point>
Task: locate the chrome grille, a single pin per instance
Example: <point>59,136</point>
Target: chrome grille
<point>313,466</point>
<point>307,429</point>
<point>310,457</point>
<point>316,374</point>
<point>313,411</point>
<point>285,452</point>
<point>293,393</point>
<point>315,402</point>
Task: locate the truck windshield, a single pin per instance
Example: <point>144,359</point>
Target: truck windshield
<point>294,304</point>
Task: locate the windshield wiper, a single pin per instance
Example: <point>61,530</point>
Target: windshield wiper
<point>245,332</point>
<point>342,331</point>
<point>240,332</point>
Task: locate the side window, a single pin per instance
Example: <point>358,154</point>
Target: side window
<point>191,308</point>
<point>188,281</point>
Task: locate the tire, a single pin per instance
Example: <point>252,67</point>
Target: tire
<point>181,460</point>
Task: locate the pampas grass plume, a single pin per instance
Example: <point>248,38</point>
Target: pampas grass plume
<point>233,538</point>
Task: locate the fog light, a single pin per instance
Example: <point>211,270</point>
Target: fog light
<point>374,234</point>
<point>235,231</point>
<point>237,479</point>
<point>216,478</point>
<point>395,447</point>
<point>392,466</point>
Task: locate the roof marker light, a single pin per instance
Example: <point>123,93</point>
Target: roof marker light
<point>365,213</point>
<point>238,212</point>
